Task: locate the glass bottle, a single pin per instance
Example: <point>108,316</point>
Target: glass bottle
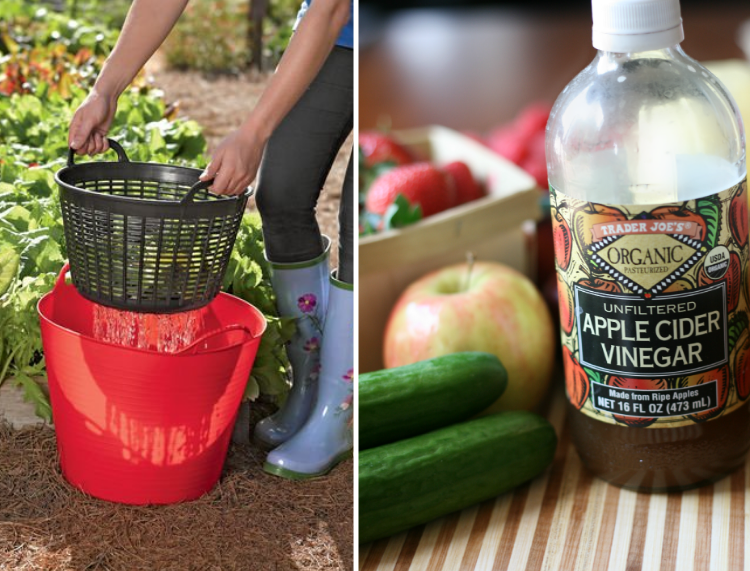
<point>648,183</point>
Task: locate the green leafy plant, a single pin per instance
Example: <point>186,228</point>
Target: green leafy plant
<point>278,28</point>
<point>42,47</point>
<point>210,36</point>
<point>248,276</point>
<point>33,146</point>
<point>110,13</point>
<point>25,27</point>
<point>213,35</point>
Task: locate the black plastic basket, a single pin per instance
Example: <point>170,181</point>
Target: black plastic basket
<point>146,237</point>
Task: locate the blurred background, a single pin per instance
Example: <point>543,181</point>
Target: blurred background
<point>475,64</point>
<point>216,36</point>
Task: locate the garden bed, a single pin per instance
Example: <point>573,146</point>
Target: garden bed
<point>251,520</point>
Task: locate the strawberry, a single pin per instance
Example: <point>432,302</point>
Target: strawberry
<point>505,142</point>
<point>537,169</point>
<point>536,146</point>
<point>419,183</point>
<point>535,162</point>
<point>380,148</point>
<point>532,119</point>
<point>518,140</point>
<point>467,188</point>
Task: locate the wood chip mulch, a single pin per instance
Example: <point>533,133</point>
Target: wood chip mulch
<point>250,521</point>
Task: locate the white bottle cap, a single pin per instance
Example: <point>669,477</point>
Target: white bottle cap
<point>636,25</point>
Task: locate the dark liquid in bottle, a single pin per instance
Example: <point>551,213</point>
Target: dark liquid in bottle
<point>662,459</point>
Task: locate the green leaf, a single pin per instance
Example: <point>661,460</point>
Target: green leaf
<point>268,370</point>
<point>9,263</point>
<point>369,174</point>
<point>34,394</point>
<point>679,383</point>
<point>38,182</point>
<point>19,217</point>
<point>369,223</point>
<point>401,213</point>
<point>737,325</point>
<point>252,390</point>
<point>710,209</point>
<point>249,277</point>
<point>156,140</point>
<point>229,275</point>
<point>7,188</point>
<point>594,376</point>
<point>49,257</point>
<point>42,90</point>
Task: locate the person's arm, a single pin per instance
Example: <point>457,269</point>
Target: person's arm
<point>236,159</point>
<point>147,25</point>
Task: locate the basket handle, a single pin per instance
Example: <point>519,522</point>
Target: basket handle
<point>114,145</point>
<point>205,185</point>
<point>205,337</point>
<point>197,187</point>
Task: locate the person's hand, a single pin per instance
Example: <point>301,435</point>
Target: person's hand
<point>88,129</point>
<point>234,162</point>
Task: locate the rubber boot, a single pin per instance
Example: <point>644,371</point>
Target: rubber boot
<point>301,292</point>
<point>326,437</point>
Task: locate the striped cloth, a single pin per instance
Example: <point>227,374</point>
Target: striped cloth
<point>568,520</point>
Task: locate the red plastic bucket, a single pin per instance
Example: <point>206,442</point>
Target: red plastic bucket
<point>137,426</point>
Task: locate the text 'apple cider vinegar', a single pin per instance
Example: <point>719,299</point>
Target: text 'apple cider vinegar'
<point>648,184</point>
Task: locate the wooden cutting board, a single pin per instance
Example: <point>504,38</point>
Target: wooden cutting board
<point>568,520</point>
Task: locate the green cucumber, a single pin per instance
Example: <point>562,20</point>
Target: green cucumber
<point>405,401</point>
<point>413,481</point>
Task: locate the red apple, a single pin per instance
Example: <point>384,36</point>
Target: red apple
<point>488,307</point>
<point>738,216</point>
<point>566,305</point>
<point>683,214</point>
<point>642,385</point>
<point>721,376</point>
<point>742,365</point>
<point>577,383</point>
<point>586,216</point>
<point>682,284</point>
<point>600,284</point>
<point>562,238</point>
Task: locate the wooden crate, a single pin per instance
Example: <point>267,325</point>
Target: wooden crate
<point>492,228</point>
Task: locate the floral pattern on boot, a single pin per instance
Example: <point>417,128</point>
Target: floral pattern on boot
<point>307,304</point>
<point>347,402</point>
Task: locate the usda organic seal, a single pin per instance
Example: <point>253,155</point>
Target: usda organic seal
<point>716,263</point>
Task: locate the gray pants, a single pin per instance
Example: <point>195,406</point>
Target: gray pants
<point>295,165</point>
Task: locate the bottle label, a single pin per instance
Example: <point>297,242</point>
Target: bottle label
<point>654,307</point>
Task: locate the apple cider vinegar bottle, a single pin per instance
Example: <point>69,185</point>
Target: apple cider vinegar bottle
<point>648,184</point>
